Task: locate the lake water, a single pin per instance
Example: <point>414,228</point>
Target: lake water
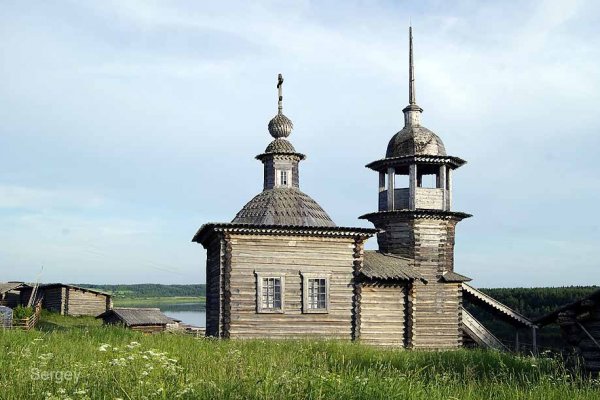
<point>188,313</point>
<point>195,318</point>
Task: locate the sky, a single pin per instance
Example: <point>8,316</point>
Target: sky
<point>126,125</point>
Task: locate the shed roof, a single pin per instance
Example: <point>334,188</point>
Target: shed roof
<point>579,305</point>
<point>494,306</point>
<point>452,276</point>
<point>388,266</point>
<point>138,316</point>
<point>55,285</point>
<point>8,286</point>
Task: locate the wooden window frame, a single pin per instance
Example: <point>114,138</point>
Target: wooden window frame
<point>288,177</point>
<point>306,276</point>
<point>260,276</point>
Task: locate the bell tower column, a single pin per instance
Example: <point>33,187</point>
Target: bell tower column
<point>418,223</point>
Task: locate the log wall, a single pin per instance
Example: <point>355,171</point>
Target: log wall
<point>383,314</point>
<point>436,306</point>
<point>290,256</point>
<point>82,302</point>
<point>213,287</point>
<point>54,299</point>
<point>433,309</point>
<point>582,331</point>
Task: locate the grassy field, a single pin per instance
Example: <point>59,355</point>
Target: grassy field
<point>77,358</point>
<point>156,301</point>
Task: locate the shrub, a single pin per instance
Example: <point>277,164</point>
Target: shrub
<point>21,312</point>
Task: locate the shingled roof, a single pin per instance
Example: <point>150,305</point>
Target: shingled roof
<point>481,299</point>
<point>452,276</point>
<point>138,316</point>
<point>283,206</point>
<point>8,286</point>
<point>377,265</point>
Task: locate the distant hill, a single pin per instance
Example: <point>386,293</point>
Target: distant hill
<point>145,290</point>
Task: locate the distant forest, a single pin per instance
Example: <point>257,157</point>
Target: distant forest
<point>145,290</point>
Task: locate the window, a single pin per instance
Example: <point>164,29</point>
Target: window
<point>283,178</point>
<point>315,293</point>
<point>269,295</point>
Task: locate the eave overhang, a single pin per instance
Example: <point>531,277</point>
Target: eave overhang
<point>454,277</point>
<point>418,213</point>
<point>263,156</point>
<point>207,230</point>
<point>385,163</point>
<point>492,305</point>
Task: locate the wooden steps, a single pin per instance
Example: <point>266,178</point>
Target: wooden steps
<point>479,333</point>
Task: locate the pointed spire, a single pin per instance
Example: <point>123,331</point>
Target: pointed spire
<point>280,91</point>
<point>411,72</point>
<point>412,112</point>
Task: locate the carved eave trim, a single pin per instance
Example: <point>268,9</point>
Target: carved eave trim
<point>281,155</point>
<point>383,164</point>
<point>419,213</point>
<point>207,230</point>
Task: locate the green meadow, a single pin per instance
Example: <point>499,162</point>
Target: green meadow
<point>78,358</point>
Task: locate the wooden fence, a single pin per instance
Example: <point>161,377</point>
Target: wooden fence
<point>30,322</point>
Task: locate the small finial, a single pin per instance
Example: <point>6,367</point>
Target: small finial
<point>280,90</point>
<point>411,71</point>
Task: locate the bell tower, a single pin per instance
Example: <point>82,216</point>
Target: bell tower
<point>416,221</point>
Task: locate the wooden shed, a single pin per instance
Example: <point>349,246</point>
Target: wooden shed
<point>11,293</point>
<point>149,320</point>
<point>71,300</point>
<point>580,327</point>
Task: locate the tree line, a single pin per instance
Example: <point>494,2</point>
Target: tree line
<point>144,290</point>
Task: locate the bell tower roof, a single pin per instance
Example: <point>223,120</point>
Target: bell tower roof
<point>414,139</point>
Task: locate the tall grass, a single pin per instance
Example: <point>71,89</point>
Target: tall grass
<point>113,363</point>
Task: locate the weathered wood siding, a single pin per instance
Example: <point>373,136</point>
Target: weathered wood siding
<point>54,299</point>
<point>149,328</point>
<point>213,287</point>
<point>12,298</point>
<point>436,306</point>
<point>581,331</point>
<point>436,318</point>
<point>82,302</point>
<point>289,256</point>
<point>433,309</point>
<point>426,198</point>
<point>383,314</point>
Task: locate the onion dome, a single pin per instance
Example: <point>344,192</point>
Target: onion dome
<point>283,206</point>
<point>280,146</point>
<point>280,126</point>
<point>415,140</point>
